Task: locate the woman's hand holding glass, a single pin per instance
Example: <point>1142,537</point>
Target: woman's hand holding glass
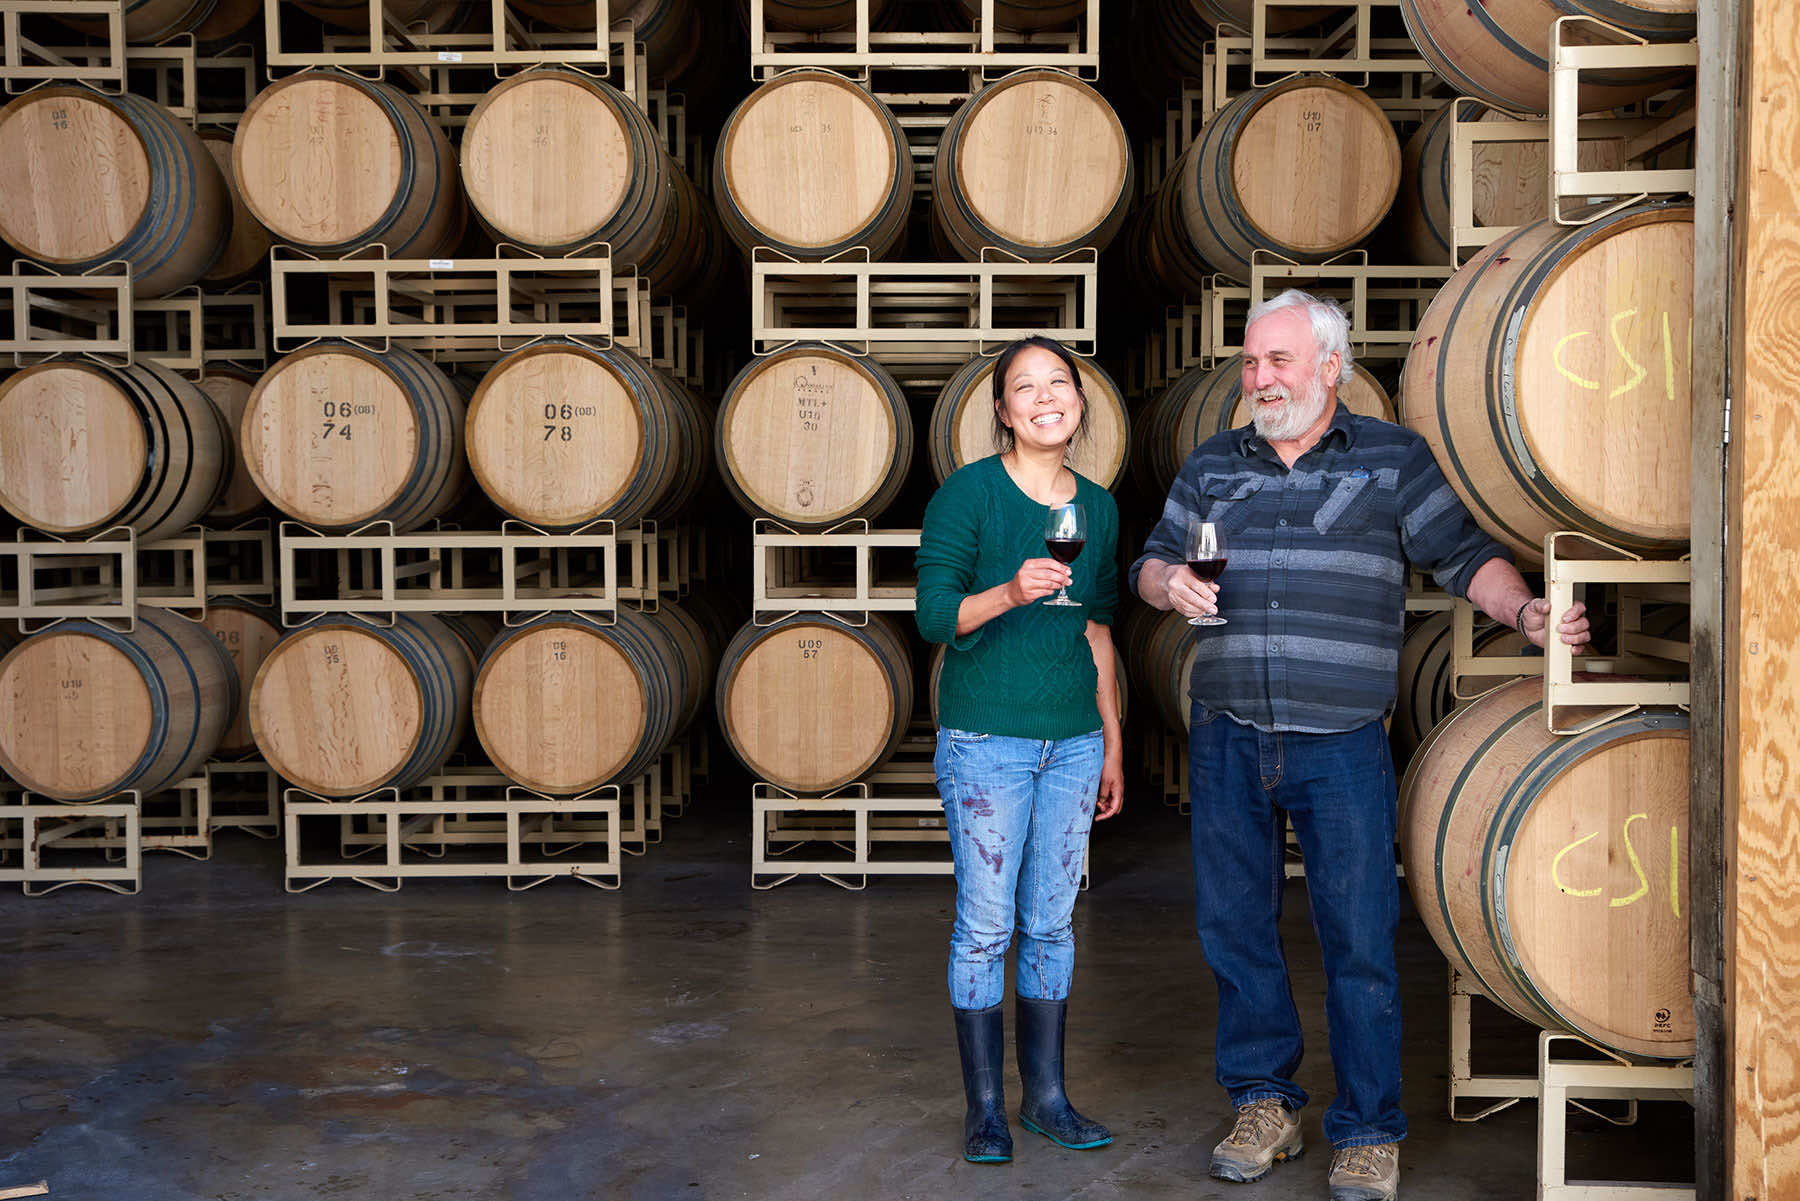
<point>1036,579</point>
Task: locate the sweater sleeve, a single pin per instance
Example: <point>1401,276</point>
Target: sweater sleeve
<point>1106,580</point>
<point>948,543</point>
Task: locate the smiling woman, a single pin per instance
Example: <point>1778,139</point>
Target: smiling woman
<point>1028,749</point>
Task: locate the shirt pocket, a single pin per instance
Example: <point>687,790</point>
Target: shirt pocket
<point>1229,502</point>
<point>1350,505</point>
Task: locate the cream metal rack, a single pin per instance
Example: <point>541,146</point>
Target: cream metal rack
<point>1074,48</point>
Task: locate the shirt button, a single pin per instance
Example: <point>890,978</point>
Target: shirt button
<point>1274,604</point>
<point>1284,521</point>
<point>1277,560</point>
<point>1275,645</point>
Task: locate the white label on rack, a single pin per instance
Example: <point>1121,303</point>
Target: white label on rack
<point>926,823</point>
<point>449,56</point>
<point>442,264</point>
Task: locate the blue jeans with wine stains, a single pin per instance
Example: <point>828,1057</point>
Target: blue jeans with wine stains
<point>1018,811</point>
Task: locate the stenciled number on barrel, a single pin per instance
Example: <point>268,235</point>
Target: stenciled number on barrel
<point>564,413</point>
<point>1638,371</point>
<point>1637,868</point>
<point>810,647</point>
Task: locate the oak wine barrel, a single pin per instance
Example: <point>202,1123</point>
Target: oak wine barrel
<point>962,422</point>
<point>1425,694</point>
<point>560,434</point>
<point>341,707</point>
<point>1509,182</point>
<point>1158,647</point>
<point>812,435</point>
<point>1172,40</point>
<point>1121,684</point>
<point>670,31</point>
<point>248,247</point>
<point>1209,400</point>
<point>86,447</point>
<point>815,16</point>
<point>229,389</point>
<point>228,17</point>
<point>148,22</point>
<point>564,706</point>
<point>99,177</point>
<point>810,704</point>
<point>247,631</point>
<point>555,160</point>
<point>1500,52</point>
<point>87,711</point>
<point>1036,164</point>
<point>1552,870</point>
<point>1550,376</point>
<point>331,162</point>
<point>1029,14</point>
<point>437,15</point>
<point>338,436</point>
<point>1306,168</point>
<point>810,164</point>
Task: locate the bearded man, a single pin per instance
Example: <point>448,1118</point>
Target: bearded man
<point>1322,511</point>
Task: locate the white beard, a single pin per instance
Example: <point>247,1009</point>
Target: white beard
<point>1296,415</point>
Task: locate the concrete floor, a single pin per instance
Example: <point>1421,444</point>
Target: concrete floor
<point>685,1037</point>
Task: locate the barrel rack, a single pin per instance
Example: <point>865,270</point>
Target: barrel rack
<point>44,579</point>
<point>505,44</point>
<point>1074,47</point>
<point>46,312</point>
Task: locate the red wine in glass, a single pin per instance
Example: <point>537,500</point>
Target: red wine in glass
<point>1065,533</point>
<point>1207,569</point>
<point>1206,555</point>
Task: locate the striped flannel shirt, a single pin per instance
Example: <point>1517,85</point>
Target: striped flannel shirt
<point>1315,585</point>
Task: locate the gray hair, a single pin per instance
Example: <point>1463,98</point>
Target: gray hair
<point>1330,328</point>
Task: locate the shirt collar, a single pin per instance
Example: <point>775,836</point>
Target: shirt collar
<point>1342,427</point>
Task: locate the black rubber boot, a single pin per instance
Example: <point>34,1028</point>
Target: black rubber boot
<point>981,1042</point>
<point>1045,1107</point>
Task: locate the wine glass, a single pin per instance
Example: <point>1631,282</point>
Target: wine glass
<point>1065,533</point>
<point>1206,553</point>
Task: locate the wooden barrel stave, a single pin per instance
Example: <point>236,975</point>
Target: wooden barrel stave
<point>1221,202</point>
<point>1539,350</point>
<point>810,705</point>
<point>637,454</point>
<point>555,160</point>
<point>87,711</point>
<point>247,631</point>
<point>1525,865</point>
<point>112,177</point>
<point>248,247</point>
<point>817,136</point>
<point>343,708</point>
<point>86,447</point>
<point>564,706</point>
<point>406,468</point>
<point>1036,164</point>
<point>834,443</point>
<point>305,132</point>
<point>1499,52</point>
<point>961,429</point>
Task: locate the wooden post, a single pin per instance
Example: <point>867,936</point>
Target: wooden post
<point>1762,726</point>
<point>1715,146</point>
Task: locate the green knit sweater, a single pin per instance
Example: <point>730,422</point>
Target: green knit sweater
<point>1028,673</point>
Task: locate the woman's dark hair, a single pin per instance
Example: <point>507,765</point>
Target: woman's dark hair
<point>1003,435</point>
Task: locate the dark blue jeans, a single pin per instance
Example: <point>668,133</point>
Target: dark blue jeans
<point>1338,789</point>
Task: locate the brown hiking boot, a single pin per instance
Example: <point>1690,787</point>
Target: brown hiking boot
<point>1266,1133</point>
<point>1366,1173</point>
